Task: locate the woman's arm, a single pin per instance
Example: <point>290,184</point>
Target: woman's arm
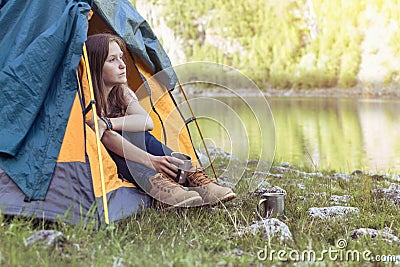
<point>136,119</point>
<point>122,147</point>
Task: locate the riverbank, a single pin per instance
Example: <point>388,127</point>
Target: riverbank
<point>355,93</point>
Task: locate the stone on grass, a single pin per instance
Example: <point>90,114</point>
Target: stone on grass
<point>316,195</point>
<point>384,234</point>
<point>326,213</point>
<point>285,164</point>
<point>392,193</point>
<point>238,251</point>
<point>275,175</point>
<point>301,186</point>
<point>46,237</point>
<point>118,262</point>
<point>337,200</point>
<point>340,176</point>
<point>263,187</point>
<point>279,170</point>
<point>312,196</point>
<point>271,227</point>
<point>302,198</point>
<point>357,172</point>
<point>315,174</point>
<point>226,184</point>
<point>386,176</point>
<point>394,187</point>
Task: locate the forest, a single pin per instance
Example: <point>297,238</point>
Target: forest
<point>293,44</point>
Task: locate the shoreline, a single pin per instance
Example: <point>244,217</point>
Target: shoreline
<point>353,93</point>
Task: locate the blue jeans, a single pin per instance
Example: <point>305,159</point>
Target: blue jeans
<point>134,172</point>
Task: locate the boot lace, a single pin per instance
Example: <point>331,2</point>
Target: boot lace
<point>165,182</point>
<point>199,177</point>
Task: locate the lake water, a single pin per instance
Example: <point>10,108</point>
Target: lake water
<point>327,133</point>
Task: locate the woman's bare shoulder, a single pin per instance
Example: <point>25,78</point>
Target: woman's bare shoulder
<point>129,95</point>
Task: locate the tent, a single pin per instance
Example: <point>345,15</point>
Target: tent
<point>49,159</point>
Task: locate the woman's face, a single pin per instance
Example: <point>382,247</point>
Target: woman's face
<point>114,69</point>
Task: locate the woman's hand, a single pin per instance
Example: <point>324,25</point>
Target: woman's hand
<point>166,164</point>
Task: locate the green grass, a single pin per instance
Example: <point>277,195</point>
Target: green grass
<point>208,236</point>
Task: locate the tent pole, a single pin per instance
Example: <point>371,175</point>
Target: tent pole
<point>198,129</point>
<point>96,127</point>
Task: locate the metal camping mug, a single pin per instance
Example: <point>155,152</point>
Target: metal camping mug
<point>271,205</point>
<point>182,168</point>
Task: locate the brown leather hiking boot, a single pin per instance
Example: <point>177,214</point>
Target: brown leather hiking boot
<point>165,190</point>
<point>211,192</point>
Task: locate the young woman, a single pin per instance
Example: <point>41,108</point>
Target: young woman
<point>140,157</point>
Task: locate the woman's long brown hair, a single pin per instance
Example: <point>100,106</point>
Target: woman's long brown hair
<point>98,47</point>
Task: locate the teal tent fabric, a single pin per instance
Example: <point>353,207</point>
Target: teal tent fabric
<point>40,48</point>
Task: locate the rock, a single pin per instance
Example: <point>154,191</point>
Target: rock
<point>357,172</point>
<point>378,177</point>
<point>386,176</point>
<point>385,234</point>
<point>226,184</point>
<point>214,152</point>
<point>118,262</point>
<point>260,173</point>
<point>262,188</point>
<point>316,195</point>
<point>392,193</point>
<point>218,152</point>
<point>340,176</point>
<point>237,251</point>
<point>278,169</point>
<point>272,227</point>
<point>337,200</point>
<point>394,187</point>
<point>301,186</point>
<point>275,175</point>
<point>306,174</point>
<point>285,164</point>
<point>326,213</point>
<point>46,237</point>
<point>302,198</point>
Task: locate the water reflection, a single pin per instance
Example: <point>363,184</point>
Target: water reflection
<point>343,134</point>
<point>339,134</point>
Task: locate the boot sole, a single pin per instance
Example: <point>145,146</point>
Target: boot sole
<point>189,202</point>
<point>198,201</point>
<point>226,198</point>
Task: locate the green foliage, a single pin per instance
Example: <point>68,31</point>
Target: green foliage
<point>276,38</point>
